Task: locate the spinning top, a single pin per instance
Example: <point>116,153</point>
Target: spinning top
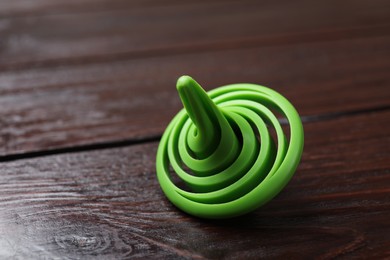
<point>217,158</point>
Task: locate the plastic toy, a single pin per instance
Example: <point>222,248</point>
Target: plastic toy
<point>217,157</point>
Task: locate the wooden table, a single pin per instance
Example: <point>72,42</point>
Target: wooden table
<point>87,88</point>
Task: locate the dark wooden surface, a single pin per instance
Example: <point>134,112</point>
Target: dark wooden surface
<point>87,88</point>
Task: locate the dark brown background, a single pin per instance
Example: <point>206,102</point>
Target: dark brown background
<point>87,88</point>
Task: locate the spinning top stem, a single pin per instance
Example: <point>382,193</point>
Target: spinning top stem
<point>209,121</point>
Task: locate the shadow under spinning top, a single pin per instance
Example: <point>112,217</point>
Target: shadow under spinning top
<point>220,147</point>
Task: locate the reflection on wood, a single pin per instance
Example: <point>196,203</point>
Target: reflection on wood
<point>87,88</point>
<point>108,203</point>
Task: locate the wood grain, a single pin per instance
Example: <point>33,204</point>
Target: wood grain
<point>107,204</point>
<point>54,7</point>
<point>87,88</point>
<point>87,37</point>
<point>79,105</point>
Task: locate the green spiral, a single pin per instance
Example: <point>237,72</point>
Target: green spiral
<point>220,147</point>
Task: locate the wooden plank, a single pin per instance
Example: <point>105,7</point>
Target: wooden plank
<point>50,108</point>
<point>107,203</point>
<point>30,41</point>
<point>50,7</point>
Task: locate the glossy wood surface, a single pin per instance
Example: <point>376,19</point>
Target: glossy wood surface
<point>88,87</point>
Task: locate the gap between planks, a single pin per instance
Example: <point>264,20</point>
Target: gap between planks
<point>156,138</point>
<point>359,32</point>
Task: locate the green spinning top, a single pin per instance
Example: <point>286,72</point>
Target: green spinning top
<point>220,149</point>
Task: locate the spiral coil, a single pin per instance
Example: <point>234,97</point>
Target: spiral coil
<point>220,147</point>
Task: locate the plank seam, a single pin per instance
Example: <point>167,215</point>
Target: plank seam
<point>205,47</point>
<point>156,138</point>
